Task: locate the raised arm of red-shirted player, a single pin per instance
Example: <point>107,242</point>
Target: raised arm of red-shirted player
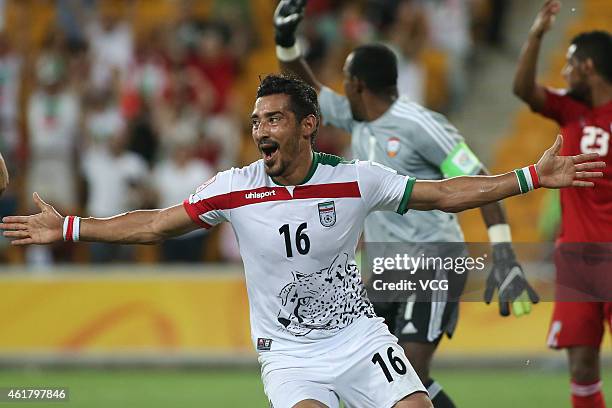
<point>461,193</point>
<point>287,17</point>
<point>525,85</point>
<point>134,227</point>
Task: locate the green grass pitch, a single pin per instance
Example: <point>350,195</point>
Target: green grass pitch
<point>152,388</point>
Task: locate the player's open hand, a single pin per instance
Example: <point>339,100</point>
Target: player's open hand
<point>287,16</point>
<point>546,17</point>
<point>556,171</point>
<point>42,228</point>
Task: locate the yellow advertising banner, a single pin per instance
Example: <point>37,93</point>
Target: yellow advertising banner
<point>162,312</point>
<point>123,311</point>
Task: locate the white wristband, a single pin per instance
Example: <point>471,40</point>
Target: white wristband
<point>76,229</point>
<point>65,227</point>
<point>499,233</point>
<point>288,54</point>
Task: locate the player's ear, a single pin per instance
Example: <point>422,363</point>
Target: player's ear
<point>309,125</point>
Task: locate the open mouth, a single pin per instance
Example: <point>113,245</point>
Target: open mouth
<point>268,149</point>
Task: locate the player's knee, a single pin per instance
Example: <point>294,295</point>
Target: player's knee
<point>416,400</point>
<point>584,364</point>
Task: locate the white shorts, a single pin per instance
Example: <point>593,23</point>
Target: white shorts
<point>366,368</point>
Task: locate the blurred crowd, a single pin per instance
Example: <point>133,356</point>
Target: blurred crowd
<point>101,116</point>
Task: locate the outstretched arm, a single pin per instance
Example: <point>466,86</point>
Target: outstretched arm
<point>525,85</point>
<point>134,227</point>
<point>287,17</point>
<point>462,193</point>
<point>4,176</point>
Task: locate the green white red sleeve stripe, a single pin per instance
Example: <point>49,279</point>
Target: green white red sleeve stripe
<point>527,178</point>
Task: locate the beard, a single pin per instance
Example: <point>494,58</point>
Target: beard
<point>277,169</point>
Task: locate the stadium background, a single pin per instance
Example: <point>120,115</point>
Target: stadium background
<point>166,87</point>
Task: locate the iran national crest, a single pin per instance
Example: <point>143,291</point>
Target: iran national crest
<point>393,146</point>
<point>327,213</point>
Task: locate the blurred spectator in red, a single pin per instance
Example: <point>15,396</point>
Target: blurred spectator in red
<point>215,63</point>
<point>174,179</point>
<point>178,116</point>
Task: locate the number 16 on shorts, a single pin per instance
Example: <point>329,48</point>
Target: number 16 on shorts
<point>392,361</point>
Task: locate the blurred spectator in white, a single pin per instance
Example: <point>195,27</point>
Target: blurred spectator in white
<point>450,22</point>
<point>174,179</point>
<point>116,182</point>
<point>53,115</point>
<point>53,123</point>
<point>110,39</point>
<point>10,82</point>
<point>102,120</point>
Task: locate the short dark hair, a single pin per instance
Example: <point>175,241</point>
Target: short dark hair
<point>596,45</point>
<point>376,66</point>
<point>302,97</point>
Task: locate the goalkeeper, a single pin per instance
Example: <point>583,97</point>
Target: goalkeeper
<point>390,129</point>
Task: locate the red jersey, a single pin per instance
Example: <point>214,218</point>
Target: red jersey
<point>586,213</point>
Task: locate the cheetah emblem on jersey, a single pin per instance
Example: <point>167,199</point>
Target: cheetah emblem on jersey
<point>329,299</point>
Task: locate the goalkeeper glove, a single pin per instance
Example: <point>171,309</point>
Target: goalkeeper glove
<point>508,277</point>
<point>287,16</point>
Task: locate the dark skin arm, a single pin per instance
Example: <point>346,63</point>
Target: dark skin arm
<point>492,213</point>
<point>525,85</point>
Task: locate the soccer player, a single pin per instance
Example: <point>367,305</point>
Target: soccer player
<point>4,176</point>
<point>390,129</point>
<point>584,112</point>
<point>298,215</point>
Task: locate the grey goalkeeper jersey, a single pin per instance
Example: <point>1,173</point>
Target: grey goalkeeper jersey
<point>413,141</point>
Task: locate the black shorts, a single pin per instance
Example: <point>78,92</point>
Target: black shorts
<point>428,318</point>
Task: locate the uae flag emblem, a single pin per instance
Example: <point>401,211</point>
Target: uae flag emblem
<point>393,146</point>
<point>327,213</point>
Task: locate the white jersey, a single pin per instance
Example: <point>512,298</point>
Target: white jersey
<point>298,243</point>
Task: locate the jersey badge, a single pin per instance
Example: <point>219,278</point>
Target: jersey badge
<point>327,213</point>
<point>393,146</point>
<point>264,344</point>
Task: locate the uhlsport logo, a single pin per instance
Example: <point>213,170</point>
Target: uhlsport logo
<point>264,194</point>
